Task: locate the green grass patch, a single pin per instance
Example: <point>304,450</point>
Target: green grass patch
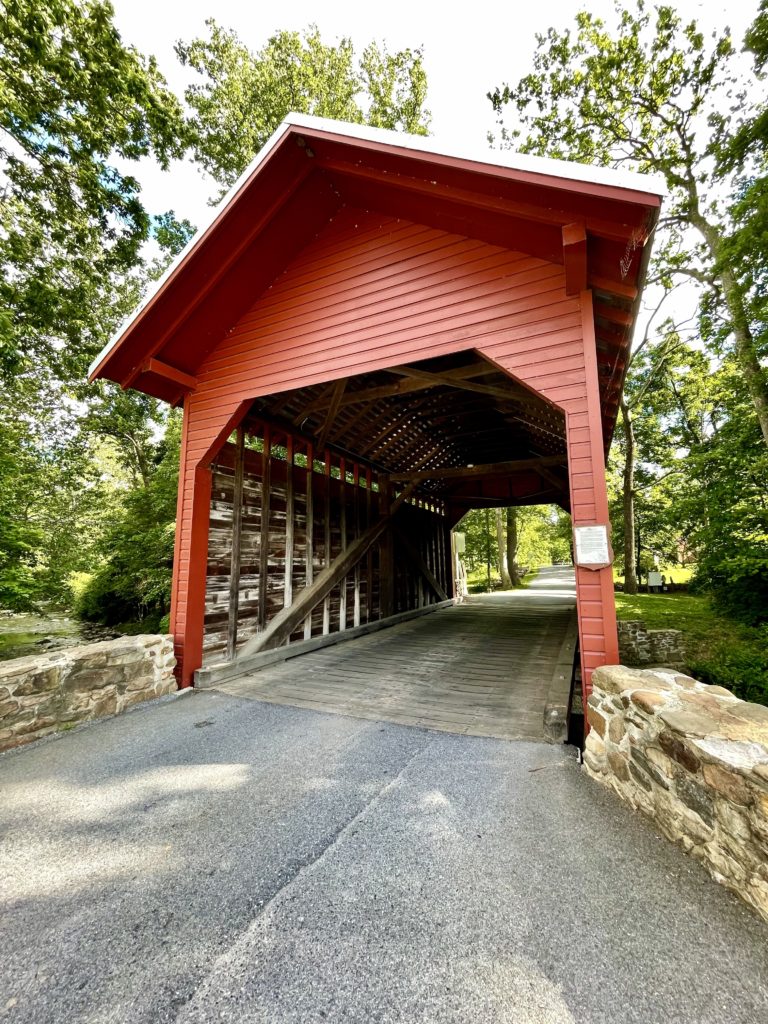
<point>673,573</point>
<point>719,650</point>
<point>690,612</point>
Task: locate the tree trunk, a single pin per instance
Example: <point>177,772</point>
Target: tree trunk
<point>744,344</point>
<point>488,547</point>
<point>512,544</point>
<point>506,583</point>
<point>630,574</point>
<point>746,354</point>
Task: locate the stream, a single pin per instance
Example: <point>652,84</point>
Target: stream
<point>29,633</point>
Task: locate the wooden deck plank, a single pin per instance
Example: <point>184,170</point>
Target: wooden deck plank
<point>482,668</point>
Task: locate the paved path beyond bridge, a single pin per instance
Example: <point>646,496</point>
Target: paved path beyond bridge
<point>482,668</point>
<point>209,858</point>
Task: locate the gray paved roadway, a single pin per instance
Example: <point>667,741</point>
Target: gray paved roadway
<point>216,859</point>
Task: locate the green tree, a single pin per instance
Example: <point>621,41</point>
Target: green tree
<point>513,544</point>
<point>73,98</point>
<point>132,582</point>
<point>649,94</point>
<point>53,494</point>
<point>640,421</point>
<point>720,499</point>
<point>245,95</point>
<point>522,538</point>
<point>75,101</point>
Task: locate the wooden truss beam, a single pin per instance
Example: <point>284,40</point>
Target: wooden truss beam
<point>286,621</point>
<point>536,497</point>
<point>510,394</point>
<point>421,565</point>
<point>234,569</point>
<point>402,387</point>
<point>488,469</point>
<point>552,478</point>
<point>330,416</point>
<point>324,401</point>
<point>260,418</point>
<point>392,426</point>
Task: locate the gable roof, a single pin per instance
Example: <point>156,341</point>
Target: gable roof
<point>598,218</point>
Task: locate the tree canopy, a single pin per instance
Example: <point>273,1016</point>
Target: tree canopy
<point>87,472</point>
<point>651,92</point>
<point>245,95</point>
<point>73,98</point>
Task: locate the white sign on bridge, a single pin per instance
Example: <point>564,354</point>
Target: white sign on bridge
<point>593,550</point>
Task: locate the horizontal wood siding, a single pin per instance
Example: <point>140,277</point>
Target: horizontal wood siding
<point>371,292</point>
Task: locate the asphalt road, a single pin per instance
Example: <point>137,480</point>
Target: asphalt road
<point>211,858</point>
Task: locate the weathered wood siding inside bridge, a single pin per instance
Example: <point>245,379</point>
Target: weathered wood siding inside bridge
<point>341,509</point>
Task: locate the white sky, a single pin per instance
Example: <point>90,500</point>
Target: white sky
<point>468,50</point>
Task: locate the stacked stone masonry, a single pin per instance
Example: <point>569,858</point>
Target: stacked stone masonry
<point>694,759</point>
<point>44,694</point>
<point>641,646</point>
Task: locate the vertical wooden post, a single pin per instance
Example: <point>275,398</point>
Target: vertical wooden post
<point>369,558</point>
<point>443,552</point>
<point>594,589</point>
<point>266,474</point>
<point>327,523</point>
<point>310,531</point>
<point>343,530</point>
<point>234,565</point>
<point>289,523</point>
<point>439,545</point>
<point>356,514</point>
<point>188,620</point>
<point>387,558</point>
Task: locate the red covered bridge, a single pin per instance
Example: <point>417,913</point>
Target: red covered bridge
<point>371,337</point>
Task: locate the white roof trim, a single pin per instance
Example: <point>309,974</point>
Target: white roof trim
<point>435,146</point>
<point>429,145</point>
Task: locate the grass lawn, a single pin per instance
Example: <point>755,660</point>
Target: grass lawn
<point>720,650</point>
<point>674,573</point>
<point>690,612</point>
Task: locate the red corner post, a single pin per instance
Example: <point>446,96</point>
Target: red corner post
<point>589,506</point>
<point>189,576</point>
<point>203,434</point>
<point>190,560</point>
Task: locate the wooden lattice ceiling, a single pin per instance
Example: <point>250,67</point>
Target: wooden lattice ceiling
<point>454,413</point>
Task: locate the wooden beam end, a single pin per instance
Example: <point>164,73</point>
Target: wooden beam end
<point>575,257</point>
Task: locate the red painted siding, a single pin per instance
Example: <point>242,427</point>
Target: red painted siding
<point>371,292</point>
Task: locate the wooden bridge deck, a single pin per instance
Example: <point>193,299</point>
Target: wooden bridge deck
<point>483,668</point>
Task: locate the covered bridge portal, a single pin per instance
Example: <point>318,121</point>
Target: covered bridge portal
<point>370,338</point>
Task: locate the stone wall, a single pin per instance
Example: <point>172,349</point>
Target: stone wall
<point>694,759</point>
<point>45,693</point>
<point>641,646</point>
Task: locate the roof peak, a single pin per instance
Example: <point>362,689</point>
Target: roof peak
<point>478,167</point>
